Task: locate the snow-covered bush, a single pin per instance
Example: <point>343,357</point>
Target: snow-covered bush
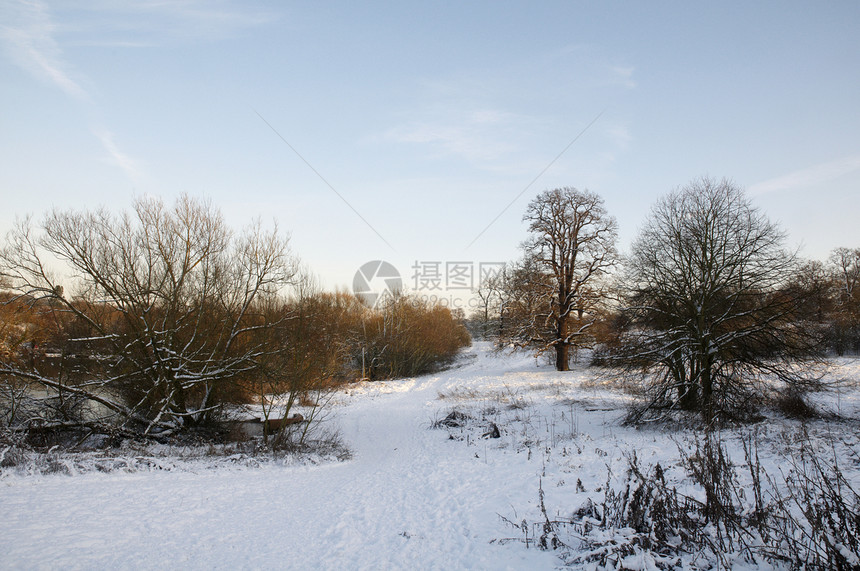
<point>806,518</point>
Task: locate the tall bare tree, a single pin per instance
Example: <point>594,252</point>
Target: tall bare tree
<point>485,311</point>
<point>165,299</point>
<point>711,302</point>
<point>571,248</point>
<point>844,265</point>
<point>846,268</point>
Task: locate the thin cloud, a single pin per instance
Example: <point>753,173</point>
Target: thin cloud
<point>620,136</point>
<point>28,35</point>
<point>807,177</point>
<point>116,44</point>
<point>623,76</point>
<point>594,66</point>
<point>475,138</point>
<point>489,117</point>
<point>28,38</point>
<point>144,23</point>
<point>125,162</point>
<point>465,141</point>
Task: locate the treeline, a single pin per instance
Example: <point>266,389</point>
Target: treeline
<point>708,309</point>
<point>169,315</point>
<point>831,294</point>
<point>827,292</point>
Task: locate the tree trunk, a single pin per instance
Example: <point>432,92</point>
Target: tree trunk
<point>561,347</point>
<point>561,357</point>
<point>707,389</point>
<point>687,393</point>
<point>689,400</point>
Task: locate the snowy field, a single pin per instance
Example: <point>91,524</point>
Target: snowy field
<point>419,492</point>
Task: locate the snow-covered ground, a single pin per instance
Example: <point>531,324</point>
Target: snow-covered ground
<point>411,496</point>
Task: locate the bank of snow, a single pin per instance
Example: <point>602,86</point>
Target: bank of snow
<point>409,497</point>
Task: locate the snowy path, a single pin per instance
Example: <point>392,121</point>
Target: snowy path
<point>408,499</point>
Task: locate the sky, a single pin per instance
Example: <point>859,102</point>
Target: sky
<point>417,133</point>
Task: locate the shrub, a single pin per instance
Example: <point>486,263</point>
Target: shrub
<point>807,519</point>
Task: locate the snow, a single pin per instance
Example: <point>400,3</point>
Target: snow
<point>411,496</point>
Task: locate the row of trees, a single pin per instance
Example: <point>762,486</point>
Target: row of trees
<point>708,302</point>
<point>833,298</point>
<point>170,315</point>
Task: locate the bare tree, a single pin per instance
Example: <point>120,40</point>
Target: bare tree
<point>571,248</point>
<point>846,268</point>
<point>844,265</point>
<point>710,301</point>
<point>521,297</point>
<point>485,317</point>
<point>166,299</point>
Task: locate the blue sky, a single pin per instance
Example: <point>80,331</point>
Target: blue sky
<point>430,118</point>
